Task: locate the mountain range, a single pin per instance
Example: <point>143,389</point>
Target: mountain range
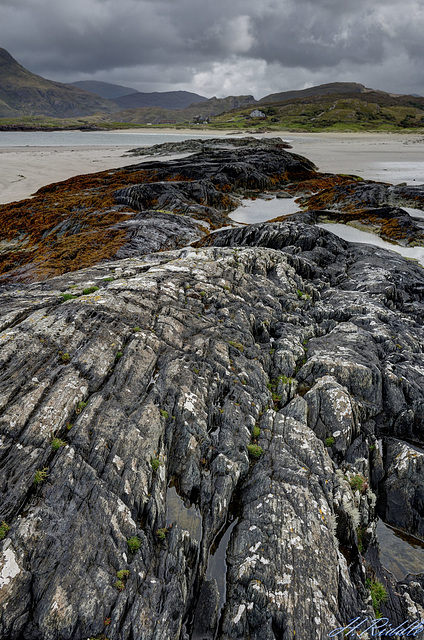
<point>103,89</point>
<point>24,93</point>
<point>127,98</point>
<point>26,97</point>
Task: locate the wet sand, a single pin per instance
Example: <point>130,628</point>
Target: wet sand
<point>387,157</point>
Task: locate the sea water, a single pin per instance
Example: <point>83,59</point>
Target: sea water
<point>94,138</point>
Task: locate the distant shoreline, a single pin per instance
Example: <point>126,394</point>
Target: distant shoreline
<point>202,129</point>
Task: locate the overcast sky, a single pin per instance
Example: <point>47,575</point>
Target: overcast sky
<point>220,47</point>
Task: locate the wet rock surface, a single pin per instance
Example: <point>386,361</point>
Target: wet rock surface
<point>197,443</point>
<point>372,195</point>
<point>390,223</point>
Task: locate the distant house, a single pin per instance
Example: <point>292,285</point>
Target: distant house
<point>257,114</point>
<point>201,119</point>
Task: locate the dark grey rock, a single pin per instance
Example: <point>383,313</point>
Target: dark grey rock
<point>201,144</point>
<point>275,335</point>
<point>403,488</point>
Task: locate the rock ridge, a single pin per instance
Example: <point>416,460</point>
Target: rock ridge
<point>261,379</point>
<point>199,431</point>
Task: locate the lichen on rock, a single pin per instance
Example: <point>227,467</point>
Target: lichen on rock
<point>179,362</point>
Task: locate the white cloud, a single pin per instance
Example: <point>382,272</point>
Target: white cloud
<point>234,35</point>
<point>236,76</point>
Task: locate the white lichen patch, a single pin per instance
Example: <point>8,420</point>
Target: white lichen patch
<point>62,400</point>
<point>123,509</point>
<point>19,413</point>
<point>171,266</point>
<point>162,473</point>
<point>70,452</point>
<point>192,444</point>
<point>241,610</point>
<point>406,458</point>
<point>127,488</point>
<point>60,607</point>
<point>9,567</point>
<point>189,402</point>
<point>341,403</point>
<point>296,542</point>
<point>247,565</point>
<point>118,462</point>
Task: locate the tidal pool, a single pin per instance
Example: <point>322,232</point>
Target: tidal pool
<point>217,565</point>
<point>351,234</point>
<point>261,209</point>
<point>400,553</point>
<point>184,517</point>
<point>264,209</point>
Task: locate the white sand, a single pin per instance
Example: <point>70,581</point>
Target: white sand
<point>388,157</point>
<point>23,170</point>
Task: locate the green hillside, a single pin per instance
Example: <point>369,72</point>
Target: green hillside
<point>202,110</point>
<point>24,93</point>
<point>371,110</point>
<point>320,90</point>
<point>29,101</point>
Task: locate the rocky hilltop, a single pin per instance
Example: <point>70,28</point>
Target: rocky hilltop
<point>23,93</point>
<point>196,443</point>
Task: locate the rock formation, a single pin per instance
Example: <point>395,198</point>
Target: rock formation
<point>196,443</point>
<point>86,219</point>
<point>373,205</point>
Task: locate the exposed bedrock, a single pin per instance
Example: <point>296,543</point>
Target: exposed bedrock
<point>260,167</point>
<point>149,231</point>
<point>370,195</point>
<point>198,198</point>
<point>390,223</point>
<point>199,394</point>
<point>201,144</point>
<point>403,503</point>
<point>374,205</point>
<point>89,219</point>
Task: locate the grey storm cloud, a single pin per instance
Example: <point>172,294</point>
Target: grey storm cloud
<point>216,47</point>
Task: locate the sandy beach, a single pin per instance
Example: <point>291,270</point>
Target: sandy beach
<point>387,157</point>
<point>23,170</point>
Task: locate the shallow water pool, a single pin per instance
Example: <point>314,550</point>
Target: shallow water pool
<point>351,234</point>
